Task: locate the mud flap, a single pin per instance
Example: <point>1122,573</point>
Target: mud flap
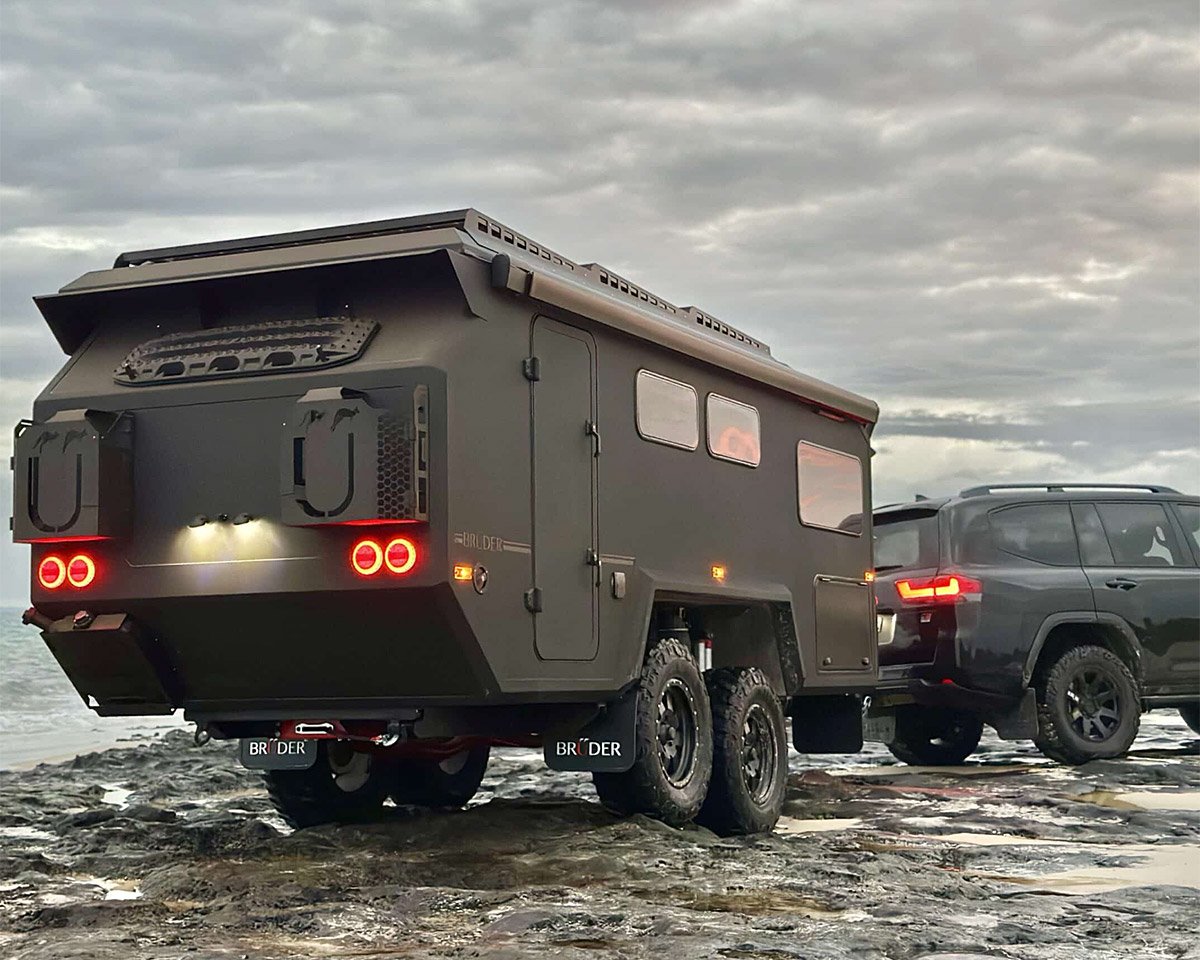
<point>606,744</point>
<point>1019,723</point>
<point>827,724</point>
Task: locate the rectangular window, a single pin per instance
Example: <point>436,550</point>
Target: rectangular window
<point>1036,531</point>
<point>830,488</point>
<point>667,411</point>
<point>1140,535</point>
<point>1189,516</point>
<point>907,539</point>
<point>733,432</point>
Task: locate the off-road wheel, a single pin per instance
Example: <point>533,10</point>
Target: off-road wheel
<point>750,745</point>
<point>1191,716</point>
<point>440,783</point>
<point>344,786</point>
<point>673,754</point>
<point>934,736</point>
<point>1088,706</point>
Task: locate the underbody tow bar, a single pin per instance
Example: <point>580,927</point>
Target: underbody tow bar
<point>335,730</point>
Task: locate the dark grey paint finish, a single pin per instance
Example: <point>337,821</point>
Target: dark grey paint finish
<point>280,625</point>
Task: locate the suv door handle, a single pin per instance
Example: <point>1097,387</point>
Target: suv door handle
<point>1121,583</point>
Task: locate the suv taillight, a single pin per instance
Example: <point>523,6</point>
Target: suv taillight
<point>944,588</point>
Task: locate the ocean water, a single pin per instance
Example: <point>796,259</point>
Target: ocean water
<point>41,715</point>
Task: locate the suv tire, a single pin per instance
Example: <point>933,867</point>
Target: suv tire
<point>750,748</point>
<point>934,736</point>
<point>1191,716</point>
<point>450,782</point>
<point>1088,705</point>
<point>673,742</point>
<point>345,785</point>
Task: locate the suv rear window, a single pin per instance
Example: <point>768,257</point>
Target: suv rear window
<point>904,540</point>
<point>1036,531</point>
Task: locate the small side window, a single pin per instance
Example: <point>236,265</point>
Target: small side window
<point>1036,531</point>
<point>733,432</point>
<point>1140,535</point>
<point>667,411</point>
<point>830,486</point>
<point>1189,516</point>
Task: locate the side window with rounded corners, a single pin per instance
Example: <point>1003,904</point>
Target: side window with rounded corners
<point>830,488</point>
<point>733,430</point>
<point>1036,531</point>
<point>667,411</point>
<point>1189,516</point>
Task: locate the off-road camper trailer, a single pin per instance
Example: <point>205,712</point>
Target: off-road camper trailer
<point>376,498</point>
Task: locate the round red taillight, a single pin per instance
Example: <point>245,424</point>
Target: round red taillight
<point>81,570</point>
<point>400,555</point>
<point>366,558</point>
<point>52,573</point>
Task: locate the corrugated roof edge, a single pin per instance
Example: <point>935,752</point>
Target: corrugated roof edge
<point>607,291</point>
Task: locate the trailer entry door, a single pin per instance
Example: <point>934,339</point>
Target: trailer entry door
<point>566,445</point>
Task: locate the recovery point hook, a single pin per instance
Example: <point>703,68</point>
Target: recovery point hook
<point>201,736</point>
<point>39,620</point>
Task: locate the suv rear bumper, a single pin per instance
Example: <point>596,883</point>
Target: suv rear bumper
<point>1013,717</point>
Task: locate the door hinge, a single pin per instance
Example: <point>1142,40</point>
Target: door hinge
<point>532,368</point>
<point>592,558</point>
<point>533,600</point>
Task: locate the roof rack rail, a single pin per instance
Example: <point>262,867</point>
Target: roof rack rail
<point>1063,487</point>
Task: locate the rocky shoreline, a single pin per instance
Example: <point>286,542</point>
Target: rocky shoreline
<point>168,850</point>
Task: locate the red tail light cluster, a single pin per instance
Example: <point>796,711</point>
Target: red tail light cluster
<point>79,571</point>
<point>369,557</point>
<point>944,588</point>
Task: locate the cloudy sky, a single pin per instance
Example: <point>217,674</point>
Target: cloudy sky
<point>984,215</point>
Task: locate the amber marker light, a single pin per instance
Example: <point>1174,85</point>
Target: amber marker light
<point>81,571</point>
<point>366,557</point>
<point>464,572</point>
<point>400,555</point>
<point>52,573</point>
<point>869,576</point>
<point>718,572</point>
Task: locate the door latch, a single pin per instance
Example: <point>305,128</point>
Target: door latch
<point>592,429</point>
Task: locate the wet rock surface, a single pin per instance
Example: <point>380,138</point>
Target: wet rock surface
<point>168,850</point>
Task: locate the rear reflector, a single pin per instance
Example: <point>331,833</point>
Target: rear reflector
<point>944,588</point>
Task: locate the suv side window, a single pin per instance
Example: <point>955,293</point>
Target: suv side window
<point>1189,516</point>
<point>1036,531</point>
<point>1140,535</point>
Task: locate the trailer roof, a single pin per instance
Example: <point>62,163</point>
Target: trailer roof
<point>586,288</point>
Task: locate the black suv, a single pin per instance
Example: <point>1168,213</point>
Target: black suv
<point>1052,612</point>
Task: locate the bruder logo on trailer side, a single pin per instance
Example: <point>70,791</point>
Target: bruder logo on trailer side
<point>284,488</point>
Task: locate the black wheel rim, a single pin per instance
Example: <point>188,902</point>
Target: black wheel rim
<point>1093,704</point>
<point>759,754</point>
<point>676,732</point>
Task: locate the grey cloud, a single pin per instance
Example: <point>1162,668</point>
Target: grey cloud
<point>953,207</point>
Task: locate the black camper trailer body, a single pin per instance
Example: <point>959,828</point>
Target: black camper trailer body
<point>429,473</point>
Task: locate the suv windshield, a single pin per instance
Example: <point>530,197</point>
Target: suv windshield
<point>906,539</point>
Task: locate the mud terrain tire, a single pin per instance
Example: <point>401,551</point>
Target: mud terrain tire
<point>934,736</point>
<point>1088,705</point>
<point>343,786</point>
<point>673,742</point>
<point>750,746</point>
<point>445,783</point>
<point>1191,716</point>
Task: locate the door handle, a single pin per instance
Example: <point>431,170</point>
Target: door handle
<point>592,429</point>
<point>1121,583</point>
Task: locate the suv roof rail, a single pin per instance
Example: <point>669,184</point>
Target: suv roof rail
<point>1063,487</point>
